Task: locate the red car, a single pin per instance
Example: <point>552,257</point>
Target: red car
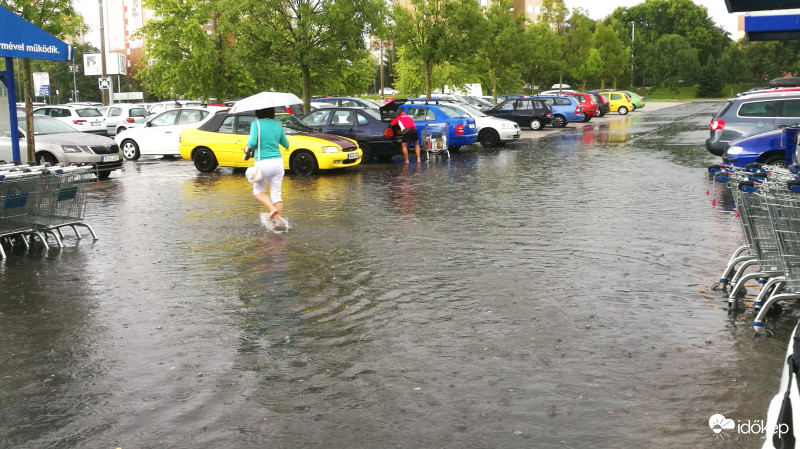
<point>588,103</point>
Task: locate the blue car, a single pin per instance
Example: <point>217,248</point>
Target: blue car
<point>349,102</point>
<point>362,125</point>
<point>462,128</point>
<point>565,109</point>
<point>775,147</point>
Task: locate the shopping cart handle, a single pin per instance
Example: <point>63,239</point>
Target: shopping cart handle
<point>793,185</point>
<point>715,168</point>
<point>760,175</point>
<point>754,166</point>
<point>723,179</point>
<point>794,168</point>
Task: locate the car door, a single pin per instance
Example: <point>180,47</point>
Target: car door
<point>524,111</point>
<point>154,138</point>
<point>343,123</point>
<point>229,150</point>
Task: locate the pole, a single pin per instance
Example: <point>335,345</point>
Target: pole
<point>103,51</point>
<point>74,82</point>
<point>381,65</point>
<point>633,27</point>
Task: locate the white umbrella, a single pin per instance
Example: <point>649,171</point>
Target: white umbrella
<point>265,100</point>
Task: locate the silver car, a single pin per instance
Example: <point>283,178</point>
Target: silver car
<point>122,116</point>
<point>59,143</point>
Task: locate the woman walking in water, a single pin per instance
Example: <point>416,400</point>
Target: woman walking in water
<point>266,135</point>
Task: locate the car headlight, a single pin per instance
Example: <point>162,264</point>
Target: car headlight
<point>734,150</point>
<point>330,149</point>
<point>509,126</point>
<point>70,148</point>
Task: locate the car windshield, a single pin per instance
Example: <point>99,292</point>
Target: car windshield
<point>46,125</point>
<point>372,112</point>
<point>292,125</point>
<point>372,103</point>
<point>453,112</point>
<point>475,112</point>
<point>89,112</point>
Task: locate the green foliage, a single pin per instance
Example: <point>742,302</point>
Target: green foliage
<point>543,47</point>
<point>578,46</point>
<point>709,85</point>
<point>500,50</point>
<point>62,80</point>
<point>613,54</point>
<point>733,66</point>
<point>666,93</point>
<point>676,61</point>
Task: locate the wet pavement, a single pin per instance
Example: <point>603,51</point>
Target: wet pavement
<point>553,293</point>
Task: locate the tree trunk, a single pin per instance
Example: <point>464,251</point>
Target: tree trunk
<point>493,72</point>
<point>27,84</point>
<point>306,71</point>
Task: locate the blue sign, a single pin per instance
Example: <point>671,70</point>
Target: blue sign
<point>44,91</point>
<point>22,39</point>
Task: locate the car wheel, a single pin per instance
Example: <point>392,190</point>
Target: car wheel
<point>130,150</point>
<point>586,118</point>
<point>103,175</point>
<point>559,121</point>
<point>622,110</point>
<point>633,107</point>
<point>120,129</point>
<point>454,148</point>
<point>535,124</point>
<point>489,138</point>
<point>204,160</point>
<point>366,153</point>
<point>46,158</point>
<point>303,163</point>
<point>775,160</point>
<point>602,113</point>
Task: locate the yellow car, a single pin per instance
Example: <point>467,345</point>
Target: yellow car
<point>618,102</point>
<point>220,142</point>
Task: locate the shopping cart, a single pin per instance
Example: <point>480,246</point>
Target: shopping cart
<point>61,202</point>
<point>18,196</point>
<point>434,139</point>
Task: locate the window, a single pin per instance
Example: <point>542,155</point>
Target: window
<point>758,109</point>
<point>791,108</point>
<point>113,112</point>
<point>317,118</point>
<point>507,106</point>
<point>563,102</point>
<point>190,116</point>
<point>137,112</point>
<point>349,103</point>
<point>537,104</point>
<point>343,118</point>
<point>616,97</point>
<point>530,8</point>
<point>362,121</point>
<point>453,112</point>
<point>227,125</point>
<point>165,119</point>
<point>417,113</point>
<point>243,124</point>
<point>524,105</point>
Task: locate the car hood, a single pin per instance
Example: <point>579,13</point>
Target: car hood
<point>320,139</point>
<point>76,138</point>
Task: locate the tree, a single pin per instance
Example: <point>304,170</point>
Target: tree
<point>183,60</point>
<point>57,17</point>
<point>502,47</point>
<point>578,45</point>
<point>614,55</point>
<point>289,42</point>
<point>676,61</point>
<point>433,32</point>
<point>732,66</point>
<point>554,14</point>
<point>709,84</point>
<point>543,61</point>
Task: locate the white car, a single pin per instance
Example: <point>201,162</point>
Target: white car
<point>160,135</point>
<point>87,119</point>
<point>492,131</point>
<point>389,91</point>
<point>160,107</point>
<point>59,143</point>
<point>122,116</point>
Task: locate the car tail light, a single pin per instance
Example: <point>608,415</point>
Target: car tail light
<point>130,120</point>
<point>717,124</point>
<point>460,129</point>
<point>289,110</point>
<point>79,122</point>
<point>549,114</point>
<point>578,109</point>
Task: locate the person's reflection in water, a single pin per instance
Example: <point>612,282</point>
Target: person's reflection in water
<point>403,193</point>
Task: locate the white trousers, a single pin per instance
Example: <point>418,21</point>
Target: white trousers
<point>272,174</point>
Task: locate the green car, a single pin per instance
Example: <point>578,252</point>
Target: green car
<point>636,99</point>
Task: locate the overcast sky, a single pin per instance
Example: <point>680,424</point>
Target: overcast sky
<point>597,9</point>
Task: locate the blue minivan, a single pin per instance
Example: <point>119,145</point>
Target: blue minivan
<point>565,109</point>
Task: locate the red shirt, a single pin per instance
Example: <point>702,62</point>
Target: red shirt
<point>404,121</point>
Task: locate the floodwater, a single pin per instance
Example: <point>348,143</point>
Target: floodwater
<point>553,293</point>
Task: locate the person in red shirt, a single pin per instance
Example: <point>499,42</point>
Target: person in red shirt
<point>408,134</point>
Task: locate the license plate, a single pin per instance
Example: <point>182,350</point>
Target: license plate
<point>109,158</point>
<point>352,156</point>
<point>95,123</point>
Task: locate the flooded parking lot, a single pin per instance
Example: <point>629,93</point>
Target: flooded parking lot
<point>552,293</point>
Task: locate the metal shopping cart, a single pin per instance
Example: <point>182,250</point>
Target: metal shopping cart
<point>61,202</point>
<point>434,139</point>
<point>18,192</point>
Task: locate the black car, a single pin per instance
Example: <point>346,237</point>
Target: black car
<point>529,112</point>
<point>362,125</point>
<point>602,104</point>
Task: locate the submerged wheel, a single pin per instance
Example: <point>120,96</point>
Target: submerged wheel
<point>303,164</point>
<point>130,150</point>
<point>622,110</point>
<point>775,160</point>
<point>204,160</point>
<point>366,153</point>
<point>103,175</point>
<point>489,138</point>
<point>535,124</point>
<point>46,158</point>
<point>559,121</point>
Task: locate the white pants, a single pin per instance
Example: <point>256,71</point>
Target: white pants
<point>272,174</point>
